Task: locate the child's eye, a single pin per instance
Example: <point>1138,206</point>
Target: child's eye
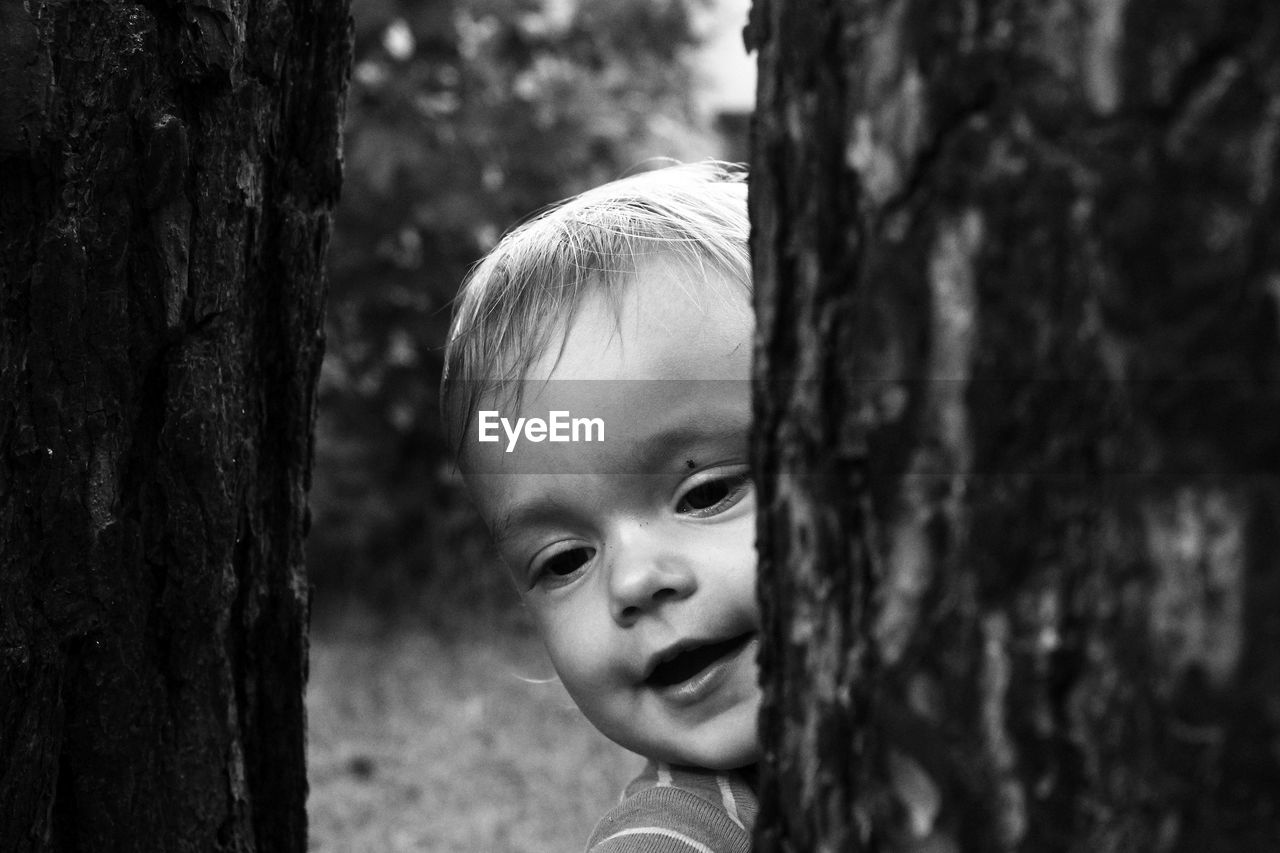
<point>712,497</point>
<point>561,564</point>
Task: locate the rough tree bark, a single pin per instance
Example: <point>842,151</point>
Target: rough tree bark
<point>168,172</point>
<point>1018,269</point>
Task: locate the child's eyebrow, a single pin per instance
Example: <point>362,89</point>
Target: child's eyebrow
<point>540,511</point>
<point>654,454</point>
<point>657,454</point>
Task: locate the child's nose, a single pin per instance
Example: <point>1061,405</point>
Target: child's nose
<point>644,573</point>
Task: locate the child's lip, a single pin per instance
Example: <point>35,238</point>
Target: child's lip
<point>730,645</point>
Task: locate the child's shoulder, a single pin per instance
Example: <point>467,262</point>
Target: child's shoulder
<point>674,809</point>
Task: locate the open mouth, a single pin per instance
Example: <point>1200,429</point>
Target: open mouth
<point>689,662</point>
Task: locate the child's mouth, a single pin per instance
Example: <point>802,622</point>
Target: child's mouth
<point>691,661</point>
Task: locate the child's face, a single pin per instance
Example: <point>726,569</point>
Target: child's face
<point>635,555</point>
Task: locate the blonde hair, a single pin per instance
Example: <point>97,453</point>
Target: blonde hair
<point>530,286</point>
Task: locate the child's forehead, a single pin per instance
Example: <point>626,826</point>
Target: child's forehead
<point>608,428</point>
<point>662,355</point>
<point>667,316</point>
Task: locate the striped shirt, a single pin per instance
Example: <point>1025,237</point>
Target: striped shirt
<point>674,809</point>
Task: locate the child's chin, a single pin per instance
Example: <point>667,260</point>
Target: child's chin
<point>724,754</point>
<point>748,752</point>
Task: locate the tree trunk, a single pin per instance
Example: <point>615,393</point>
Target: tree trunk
<point>1018,278</point>
<point>168,176</point>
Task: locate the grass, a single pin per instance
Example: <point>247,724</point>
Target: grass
<point>462,744</point>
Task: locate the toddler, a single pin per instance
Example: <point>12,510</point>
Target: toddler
<point>597,393</point>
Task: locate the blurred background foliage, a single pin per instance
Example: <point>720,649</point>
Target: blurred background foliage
<point>463,117</point>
